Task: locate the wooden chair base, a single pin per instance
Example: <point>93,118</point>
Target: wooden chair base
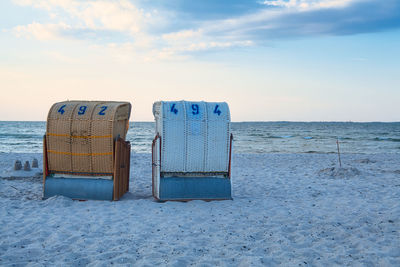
<point>84,187</point>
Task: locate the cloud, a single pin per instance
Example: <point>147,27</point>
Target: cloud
<point>91,19</point>
<point>189,41</point>
<point>309,4</point>
<point>165,34</point>
<point>294,19</point>
<point>42,31</point>
<point>285,20</point>
<point>182,35</point>
<point>101,22</point>
<point>61,57</point>
<point>119,15</point>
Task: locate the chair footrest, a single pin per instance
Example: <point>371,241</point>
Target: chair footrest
<point>190,188</point>
<point>79,188</point>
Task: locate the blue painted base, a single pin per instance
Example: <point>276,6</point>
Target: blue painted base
<point>79,188</point>
<point>190,188</point>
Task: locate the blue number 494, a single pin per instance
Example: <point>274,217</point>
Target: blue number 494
<point>195,109</point>
<point>217,110</point>
<point>173,109</point>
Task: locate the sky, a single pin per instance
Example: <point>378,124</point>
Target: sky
<point>272,60</point>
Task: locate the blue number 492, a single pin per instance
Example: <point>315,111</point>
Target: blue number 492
<point>102,111</point>
<point>61,109</point>
<point>82,110</point>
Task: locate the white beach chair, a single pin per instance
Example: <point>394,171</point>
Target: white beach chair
<point>192,151</point>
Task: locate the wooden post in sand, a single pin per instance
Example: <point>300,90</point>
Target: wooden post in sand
<point>338,151</point>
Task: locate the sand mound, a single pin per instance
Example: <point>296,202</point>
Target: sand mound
<point>337,172</point>
<point>366,161</point>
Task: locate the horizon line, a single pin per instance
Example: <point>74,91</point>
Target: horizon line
<point>274,121</point>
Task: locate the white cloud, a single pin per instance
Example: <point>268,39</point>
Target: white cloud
<point>87,17</point>
<point>119,15</point>
<point>205,45</point>
<point>182,35</point>
<point>195,41</point>
<point>42,31</point>
<point>90,20</point>
<point>309,4</point>
<point>129,52</point>
<point>301,18</point>
<point>61,57</point>
<point>124,28</point>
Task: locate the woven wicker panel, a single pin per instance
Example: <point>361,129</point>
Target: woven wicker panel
<point>102,145</point>
<point>196,136</point>
<point>218,111</point>
<point>218,147</point>
<point>173,143</point>
<point>58,136</point>
<point>80,135</point>
<point>218,133</point>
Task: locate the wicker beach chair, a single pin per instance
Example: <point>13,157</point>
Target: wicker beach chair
<point>191,151</point>
<point>85,152</point>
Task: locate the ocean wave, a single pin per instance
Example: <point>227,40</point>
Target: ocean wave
<point>257,134</point>
<point>280,136</point>
<point>345,138</point>
<point>386,139</point>
<point>20,136</point>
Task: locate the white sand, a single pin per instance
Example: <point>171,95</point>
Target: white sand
<point>288,209</point>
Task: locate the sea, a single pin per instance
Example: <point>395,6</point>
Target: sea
<point>249,137</point>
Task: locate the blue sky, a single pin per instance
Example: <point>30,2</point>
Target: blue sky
<point>295,60</point>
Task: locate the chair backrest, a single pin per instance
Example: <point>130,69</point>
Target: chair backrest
<point>195,136</point>
<point>80,135</point>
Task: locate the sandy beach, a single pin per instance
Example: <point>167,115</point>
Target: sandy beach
<point>288,209</point>
<point>266,93</point>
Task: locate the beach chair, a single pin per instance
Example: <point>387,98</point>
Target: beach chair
<point>85,155</point>
<point>191,152</point>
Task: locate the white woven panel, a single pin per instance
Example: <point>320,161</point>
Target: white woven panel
<point>195,136</point>
<point>218,133</point>
<point>173,137</point>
